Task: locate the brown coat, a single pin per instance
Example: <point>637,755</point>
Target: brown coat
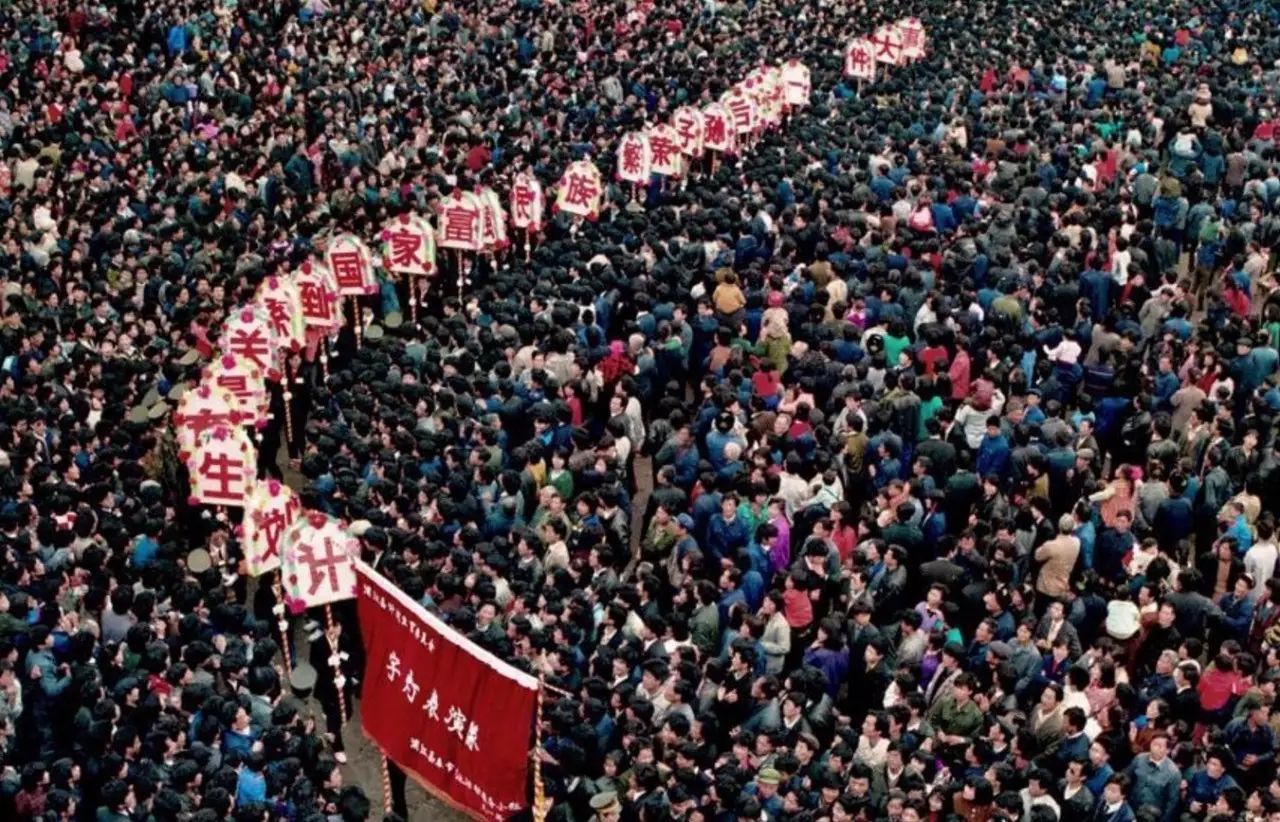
<point>1059,558</point>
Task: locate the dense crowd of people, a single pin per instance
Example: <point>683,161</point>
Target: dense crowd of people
<point>919,463</point>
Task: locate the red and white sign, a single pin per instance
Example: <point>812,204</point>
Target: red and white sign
<point>580,190</point>
<point>352,265</point>
<point>270,508</point>
<point>450,713</point>
<point>245,382</point>
<point>408,246</point>
<point>911,31</point>
<point>493,221</point>
<point>318,295</point>
<point>664,151</point>
<point>796,85</point>
<point>527,202</point>
<point>860,60</point>
<point>316,555</point>
<point>460,216</point>
<point>719,133</point>
<point>203,407</point>
<point>887,45</point>
<point>222,466</point>
<point>689,126</point>
<point>249,336</point>
<point>634,162</point>
<point>743,109</point>
<point>281,299</point>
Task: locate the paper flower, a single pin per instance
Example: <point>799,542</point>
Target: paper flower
<point>296,606</point>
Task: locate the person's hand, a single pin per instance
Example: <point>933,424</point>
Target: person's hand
<point>36,672</point>
<point>1250,760</point>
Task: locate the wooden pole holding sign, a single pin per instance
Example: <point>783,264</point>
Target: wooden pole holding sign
<point>358,321</point>
<point>336,661</point>
<point>283,624</point>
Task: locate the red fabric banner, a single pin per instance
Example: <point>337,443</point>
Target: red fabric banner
<point>445,710</point>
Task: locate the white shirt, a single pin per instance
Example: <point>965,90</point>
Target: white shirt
<point>1260,562</point>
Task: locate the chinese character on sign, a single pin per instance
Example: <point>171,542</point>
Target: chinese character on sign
<point>272,525</point>
<point>666,152</point>
<point>526,202</point>
<point>316,305</point>
<point>323,567</point>
<point>432,707</point>
<point>223,476</point>
<point>689,125</point>
<point>405,250</point>
<point>411,688</point>
<point>632,160</point>
<point>912,34</point>
<point>393,667</point>
<point>888,45</point>
<point>278,312</point>
<point>859,60</point>
<point>471,741</point>
<point>743,112</point>
<point>716,130</point>
<point>251,344</point>
<point>580,190</point>
<point>460,225</point>
<point>348,270</point>
<point>456,722</point>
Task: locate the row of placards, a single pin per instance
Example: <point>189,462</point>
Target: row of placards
<point>894,44</point>
<point>759,102</point>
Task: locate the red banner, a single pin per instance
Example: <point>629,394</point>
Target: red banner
<point>445,710</point>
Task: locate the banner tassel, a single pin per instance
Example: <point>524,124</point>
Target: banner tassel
<point>539,793</point>
<point>386,783</point>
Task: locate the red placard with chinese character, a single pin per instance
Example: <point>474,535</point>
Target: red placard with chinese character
<point>527,202</point>
<point>408,246</point>
<point>250,336</point>
<point>451,714</point>
<point>318,294</point>
<point>796,84</point>
<point>460,216</point>
<point>493,221</point>
<point>664,149</point>
<point>351,265</point>
<point>742,108</point>
<point>246,384</point>
<point>316,556</point>
<point>689,125</point>
<point>270,508</point>
<point>633,158</point>
<point>222,466</point>
<point>580,190</point>
<point>887,45</point>
<point>718,132</point>
<point>911,30</point>
<point>203,407</point>
<point>860,60</point>
<point>281,301</point>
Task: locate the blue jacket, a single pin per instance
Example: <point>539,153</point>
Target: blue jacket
<point>993,456</point>
<point>725,539</point>
<point>1155,785</point>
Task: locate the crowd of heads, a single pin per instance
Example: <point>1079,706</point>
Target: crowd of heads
<point>919,462</point>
